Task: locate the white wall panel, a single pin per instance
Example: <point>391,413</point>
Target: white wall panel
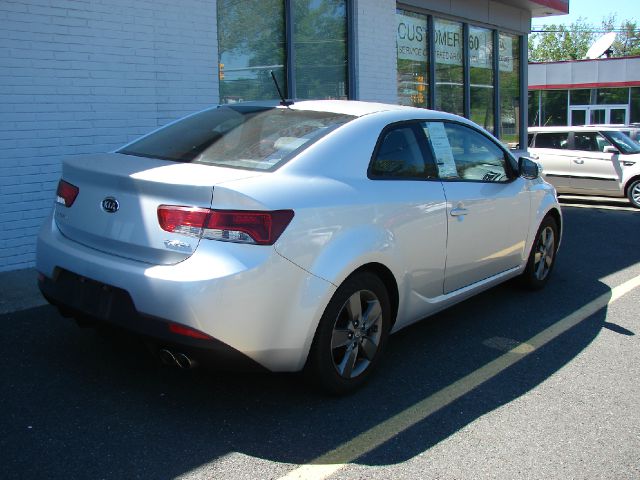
<point>83,77</point>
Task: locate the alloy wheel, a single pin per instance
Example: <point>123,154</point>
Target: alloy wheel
<point>544,253</point>
<point>356,334</point>
<point>634,194</point>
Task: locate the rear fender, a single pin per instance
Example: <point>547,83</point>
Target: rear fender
<point>343,255</point>
<point>351,249</point>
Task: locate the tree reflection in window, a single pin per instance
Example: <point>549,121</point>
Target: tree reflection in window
<point>252,43</point>
<point>320,43</point>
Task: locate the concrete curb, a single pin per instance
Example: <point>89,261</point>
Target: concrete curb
<point>19,291</point>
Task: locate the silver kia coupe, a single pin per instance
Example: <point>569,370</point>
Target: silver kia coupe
<point>293,237</point>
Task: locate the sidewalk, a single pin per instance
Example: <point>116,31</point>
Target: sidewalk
<point>19,291</point>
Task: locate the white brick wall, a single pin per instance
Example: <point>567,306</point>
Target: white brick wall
<point>85,76</point>
<point>376,63</point>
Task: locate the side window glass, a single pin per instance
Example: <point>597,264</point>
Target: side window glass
<point>552,140</point>
<point>464,154</point>
<point>602,142</point>
<point>399,156</point>
<point>585,142</point>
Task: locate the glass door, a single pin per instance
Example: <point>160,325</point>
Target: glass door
<point>619,115</point>
<point>597,116</point>
<point>578,116</point>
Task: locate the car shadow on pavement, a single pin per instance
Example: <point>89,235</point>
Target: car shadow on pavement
<point>79,404</point>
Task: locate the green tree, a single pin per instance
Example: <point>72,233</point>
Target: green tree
<point>627,42</point>
<point>560,42</point>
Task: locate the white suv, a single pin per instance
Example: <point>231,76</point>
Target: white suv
<point>592,160</point>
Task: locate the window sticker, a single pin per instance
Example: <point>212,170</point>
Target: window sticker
<point>442,149</point>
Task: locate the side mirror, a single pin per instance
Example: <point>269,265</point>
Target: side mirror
<point>611,149</point>
<point>529,169</point>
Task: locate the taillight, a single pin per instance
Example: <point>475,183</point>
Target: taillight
<point>185,220</point>
<point>187,331</point>
<point>240,226</point>
<point>262,228</point>
<point>66,193</point>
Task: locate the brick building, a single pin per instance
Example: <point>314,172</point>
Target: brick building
<point>86,76</point>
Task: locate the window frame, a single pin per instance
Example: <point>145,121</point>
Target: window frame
<point>595,134</point>
<point>423,143</point>
<point>249,113</point>
<point>569,140</point>
<point>511,168</point>
<point>522,119</point>
<point>289,86</point>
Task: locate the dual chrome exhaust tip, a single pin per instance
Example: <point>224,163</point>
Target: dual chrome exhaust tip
<point>177,359</point>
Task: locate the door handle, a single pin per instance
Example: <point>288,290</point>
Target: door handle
<point>457,212</point>
<point>579,161</point>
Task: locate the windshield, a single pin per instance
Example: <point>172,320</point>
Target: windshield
<point>248,137</point>
<point>623,142</point>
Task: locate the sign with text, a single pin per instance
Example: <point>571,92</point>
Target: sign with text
<point>506,53</point>
<point>442,149</point>
<point>448,42</point>
<point>480,42</point>
<point>411,40</point>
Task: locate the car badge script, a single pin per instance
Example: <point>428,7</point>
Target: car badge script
<point>110,205</point>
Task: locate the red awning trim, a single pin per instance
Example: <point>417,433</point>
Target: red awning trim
<point>561,5</point>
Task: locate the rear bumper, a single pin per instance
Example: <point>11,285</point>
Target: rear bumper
<point>246,297</point>
<point>88,300</point>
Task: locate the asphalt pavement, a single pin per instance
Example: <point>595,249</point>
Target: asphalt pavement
<point>80,403</point>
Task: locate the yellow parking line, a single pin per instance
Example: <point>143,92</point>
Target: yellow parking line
<point>329,463</point>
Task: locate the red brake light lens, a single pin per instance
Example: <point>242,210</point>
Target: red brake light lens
<point>66,193</point>
<point>187,331</point>
<point>239,226</point>
<point>185,220</point>
<point>262,228</point>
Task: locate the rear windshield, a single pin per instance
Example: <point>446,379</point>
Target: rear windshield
<point>254,138</point>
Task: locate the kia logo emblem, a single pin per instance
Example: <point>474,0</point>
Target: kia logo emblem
<point>110,205</point>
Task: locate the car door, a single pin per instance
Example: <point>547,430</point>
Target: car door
<point>488,205</point>
<point>592,169</point>
<point>550,150</point>
<point>412,208</point>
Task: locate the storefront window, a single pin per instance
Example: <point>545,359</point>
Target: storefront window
<point>448,88</point>
<point>534,108</point>
<point>635,104</point>
<point>582,96</point>
<point>554,108</point>
<point>252,43</point>
<point>613,96</point>
<point>320,43</point>
<point>413,58</point>
<point>509,60</point>
<point>251,38</point>
<point>481,71</point>
<point>449,74</point>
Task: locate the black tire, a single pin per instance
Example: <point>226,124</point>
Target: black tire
<point>351,335</point>
<point>542,257</point>
<point>633,193</point>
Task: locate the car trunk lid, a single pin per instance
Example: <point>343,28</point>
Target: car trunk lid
<point>115,210</point>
